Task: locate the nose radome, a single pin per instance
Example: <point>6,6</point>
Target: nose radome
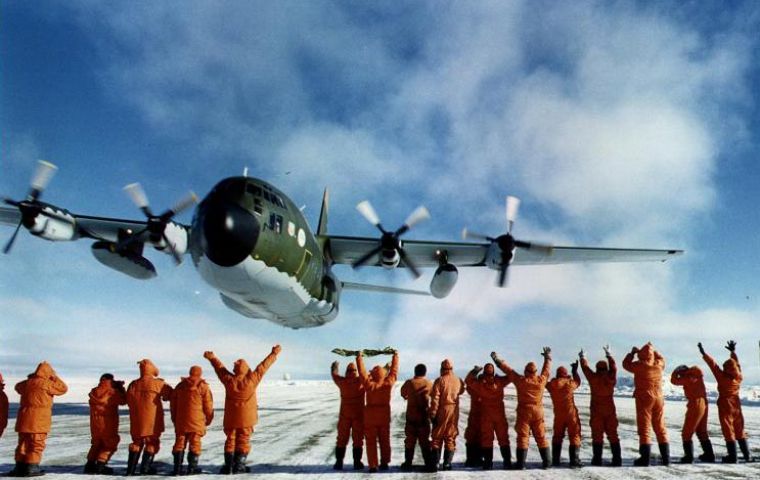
<point>230,233</point>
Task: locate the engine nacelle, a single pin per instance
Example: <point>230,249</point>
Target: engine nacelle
<point>126,262</point>
<point>444,279</point>
<point>177,235</point>
<point>390,259</point>
<point>59,229</point>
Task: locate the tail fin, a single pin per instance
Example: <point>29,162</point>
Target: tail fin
<point>322,227</point>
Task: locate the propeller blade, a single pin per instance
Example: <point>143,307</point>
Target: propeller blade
<point>409,264</point>
<point>513,205</point>
<point>365,208</point>
<point>467,234</point>
<point>361,261</point>
<point>137,194</point>
<point>190,200</point>
<point>502,281</point>
<point>42,176</point>
<point>8,245</point>
<point>546,249</point>
<point>175,254</point>
<point>418,215</point>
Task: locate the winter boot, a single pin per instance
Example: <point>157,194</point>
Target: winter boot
<point>33,470</point>
<point>469,460</point>
<point>545,454</point>
<point>19,470</point>
<point>357,452</point>
<point>227,468</point>
<point>408,460</point>
<point>179,457</point>
<point>487,458</point>
<point>596,459</point>
<point>645,451</point>
<point>89,467</point>
<point>556,454</point>
<point>506,455</point>
<point>520,455</point>
<point>664,453</point>
<point>146,466</point>
<point>340,453</point>
<point>432,460</point>
<point>745,450</point>
<point>384,466</point>
<point>238,463</point>
<point>617,458</point>
<point>575,461</point>
<point>688,452</point>
<point>448,456</point>
<point>132,462</point>
<point>731,449</point>
<point>708,455</point>
<point>192,464</point>
<point>102,469</point>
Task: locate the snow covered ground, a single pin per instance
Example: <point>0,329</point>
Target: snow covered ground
<point>296,434</point>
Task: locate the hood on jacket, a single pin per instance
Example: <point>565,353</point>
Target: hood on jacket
<point>241,367</point>
<point>147,368</point>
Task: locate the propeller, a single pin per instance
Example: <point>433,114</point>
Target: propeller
<point>506,242</point>
<point>156,225</point>
<point>30,207</point>
<point>389,241</point>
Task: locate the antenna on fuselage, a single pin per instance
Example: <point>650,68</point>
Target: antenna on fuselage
<point>245,172</point>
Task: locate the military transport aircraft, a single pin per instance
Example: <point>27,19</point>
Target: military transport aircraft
<point>250,242</point>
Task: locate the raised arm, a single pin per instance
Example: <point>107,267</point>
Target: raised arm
<point>393,375</point>
<point>576,377</point>
<point>677,377</point>
<point>584,366</point>
<point>262,367</point>
<point>546,368</point>
<point>360,366</point>
<point>57,387</point>
<point>334,373</point>
<point>628,362</point>
<point>221,371</point>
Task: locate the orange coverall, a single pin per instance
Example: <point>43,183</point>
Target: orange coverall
<point>650,403</point>
<point>472,431</point>
<point>146,412</point>
<point>729,405</point>
<point>493,420</point>
<point>603,414</point>
<point>416,392</point>
<point>192,410</point>
<point>562,389</point>
<point>693,384</point>
<point>241,411</point>
<point>377,411</point>
<point>351,415</point>
<point>104,419</point>
<point>530,406</point>
<point>444,408</point>
<point>3,407</point>
<point>35,413</point>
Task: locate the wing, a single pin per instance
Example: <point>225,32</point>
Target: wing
<point>346,250</point>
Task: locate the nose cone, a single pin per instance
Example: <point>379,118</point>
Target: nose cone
<point>229,232</point>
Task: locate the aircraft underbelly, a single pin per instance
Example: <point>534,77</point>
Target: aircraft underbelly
<point>256,290</point>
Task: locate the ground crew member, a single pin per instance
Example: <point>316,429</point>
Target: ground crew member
<point>146,417</point>
<point>489,387</point>
<point>416,392</point>
<point>693,383</point>
<point>378,385</point>
<point>729,405</point>
<point>192,410</point>
<point>240,406</point>
<point>530,406</point>
<point>444,414</point>
<point>351,415</point>
<point>474,455</point>
<point>3,406</point>
<point>34,418</point>
<point>650,403</point>
<point>105,399</point>
<point>562,391</point>
<point>603,419</point>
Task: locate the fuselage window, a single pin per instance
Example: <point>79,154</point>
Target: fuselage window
<point>267,197</point>
<point>275,223</point>
<point>254,190</point>
<point>257,208</point>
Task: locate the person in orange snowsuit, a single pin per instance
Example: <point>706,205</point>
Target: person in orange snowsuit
<point>35,417</point>
<point>474,455</point>
<point>351,415</point>
<point>489,388</point>
<point>378,385</point>
<point>562,391</point>
<point>3,406</point>
<point>146,417</point>
<point>729,405</point>
<point>416,392</point>
<point>241,411</point>
<point>650,402</point>
<point>603,419</point>
<point>444,414</point>
<point>192,410</point>
<point>693,383</point>
<point>105,399</point>
<point>530,407</point>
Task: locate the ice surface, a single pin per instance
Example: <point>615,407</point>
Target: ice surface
<point>296,434</point>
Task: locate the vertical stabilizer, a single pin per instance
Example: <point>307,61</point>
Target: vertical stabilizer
<point>322,227</point>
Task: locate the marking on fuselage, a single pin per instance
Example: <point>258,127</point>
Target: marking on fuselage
<point>304,261</point>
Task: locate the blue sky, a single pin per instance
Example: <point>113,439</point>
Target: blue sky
<point>627,124</point>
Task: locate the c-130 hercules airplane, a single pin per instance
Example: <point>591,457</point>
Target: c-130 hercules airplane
<point>250,242</point>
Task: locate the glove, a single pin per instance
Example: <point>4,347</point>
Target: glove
<point>701,348</point>
<point>475,370</point>
<point>276,349</point>
<point>731,346</point>
<point>581,354</point>
<point>208,355</point>
<point>574,366</point>
<point>334,366</point>
<point>681,368</point>
<point>546,352</point>
<point>496,358</point>
<point>607,351</point>
<point>634,350</point>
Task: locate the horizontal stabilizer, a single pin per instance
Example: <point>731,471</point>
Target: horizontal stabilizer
<point>377,288</point>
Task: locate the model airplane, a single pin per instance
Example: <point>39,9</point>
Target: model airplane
<point>250,242</point>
